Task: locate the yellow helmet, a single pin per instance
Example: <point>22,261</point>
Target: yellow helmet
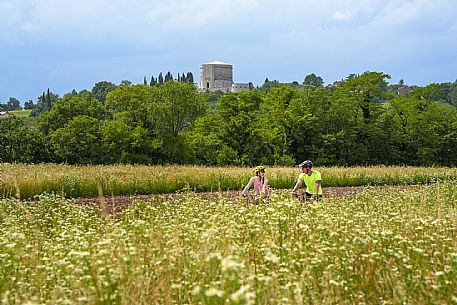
<point>258,169</point>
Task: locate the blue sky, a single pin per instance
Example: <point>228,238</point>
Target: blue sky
<point>72,44</point>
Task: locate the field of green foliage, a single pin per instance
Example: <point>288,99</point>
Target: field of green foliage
<point>21,113</point>
<point>26,181</point>
<point>397,246</point>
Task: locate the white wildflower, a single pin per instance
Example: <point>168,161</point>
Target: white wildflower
<point>214,292</point>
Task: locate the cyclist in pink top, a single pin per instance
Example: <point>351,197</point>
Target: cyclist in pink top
<point>259,181</point>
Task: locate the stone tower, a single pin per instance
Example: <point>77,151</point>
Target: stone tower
<point>216,76</point>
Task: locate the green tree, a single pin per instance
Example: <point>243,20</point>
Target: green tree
<point>190,77</point>
<point>19,143</point>
<point>427,129</point>
<point>175,106</point>
<point>290,124</point>
<point>49,101</point>
<point>101,89</point>
<point>45,103</point>
<point>268,85</point>
<point>168,76</point>
<point>273,133</point>
<point>453,94</point>
<point>68,108</point>
<point>213,97</point>
<point>13,104</point>
<point>124,143</point>
<point>79,141</point>
<point>238,113</point>
<point>431,92</point>
<point>29,105</point>
<point>13,133</point>
<point>131,136</point>
<point>356,106</point>
<point>153,81</point>
<point>205,140</point>
<point>73,93</point>
<point>313,80</point>
<point>125,83</point>
<point>129,104</point>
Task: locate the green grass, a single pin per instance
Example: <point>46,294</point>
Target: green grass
<point>394,247</point>
<point>25,114</point>
<point>21,113</point>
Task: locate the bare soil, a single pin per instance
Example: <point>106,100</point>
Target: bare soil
<point>118,203</point>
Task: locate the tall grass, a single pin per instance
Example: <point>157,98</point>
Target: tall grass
<point>27,181</point>
<point>394,247</point>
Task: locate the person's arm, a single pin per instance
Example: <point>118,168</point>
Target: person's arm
<point>265,187</point>
<point>246,189</point>
<point>318,185</point>
<point>297,185</point>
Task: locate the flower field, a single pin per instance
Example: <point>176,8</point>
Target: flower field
<point>395,246</point>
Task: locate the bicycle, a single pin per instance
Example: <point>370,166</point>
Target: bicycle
<point>254,199</point>
<point>305,198</point>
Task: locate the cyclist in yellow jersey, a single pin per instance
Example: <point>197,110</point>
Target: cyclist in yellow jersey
<point>311,178</point>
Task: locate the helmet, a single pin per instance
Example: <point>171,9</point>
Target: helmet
<point>258,169</point>
<point>306,163</point>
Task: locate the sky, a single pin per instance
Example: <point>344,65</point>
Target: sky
<point>73,44</point>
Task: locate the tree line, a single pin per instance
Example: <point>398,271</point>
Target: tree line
<point>360,120</point>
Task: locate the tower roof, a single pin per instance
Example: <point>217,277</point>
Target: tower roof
<point>216,62</point>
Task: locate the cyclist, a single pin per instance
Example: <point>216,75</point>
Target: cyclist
<point>311,178</point>
<point>259,181</point>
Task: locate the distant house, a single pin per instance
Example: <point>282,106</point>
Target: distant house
<point>403,90</point>
<point>5,114</point>
<point>239,87</point>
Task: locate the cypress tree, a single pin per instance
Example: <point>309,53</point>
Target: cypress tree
<point>160,78</point>
<point>168,76</point>
<point>48,100</point>
<point>190,77</point>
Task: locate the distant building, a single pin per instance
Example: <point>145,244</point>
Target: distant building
<point>5,114</point>
<point>404,90</point>
<point>218,76</point>
<point>239,87</point>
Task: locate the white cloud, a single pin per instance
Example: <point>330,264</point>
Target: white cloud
<point>342,15</point>
<point>193,14</point>
<point>282,36</point>
<point>29,27</point>
<point>416,15</point>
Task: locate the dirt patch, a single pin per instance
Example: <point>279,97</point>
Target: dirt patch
<point>118,203</point>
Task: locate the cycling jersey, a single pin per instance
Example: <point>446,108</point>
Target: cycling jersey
<point>310,181</point>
